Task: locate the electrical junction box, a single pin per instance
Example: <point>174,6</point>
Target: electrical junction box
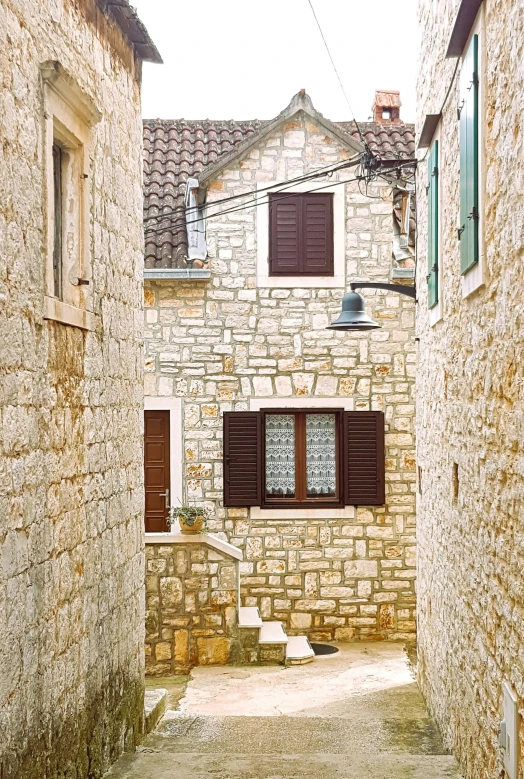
<point>508,733</point>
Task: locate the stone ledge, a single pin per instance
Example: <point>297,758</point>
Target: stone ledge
<point>195,538</point>
<point>155,704</point>
<point>172,274</point>
<point>66,314</point>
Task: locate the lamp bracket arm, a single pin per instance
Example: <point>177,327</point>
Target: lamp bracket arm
<point>402,289</point>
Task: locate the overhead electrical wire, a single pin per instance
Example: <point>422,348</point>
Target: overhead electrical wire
<point>252,204</point>
<point>180,223</point>
<point>338,77</point>
<point>322,171</point>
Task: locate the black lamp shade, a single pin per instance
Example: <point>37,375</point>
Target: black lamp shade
<point>353,315</point>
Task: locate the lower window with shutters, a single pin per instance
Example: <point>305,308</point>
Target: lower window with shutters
<point>302,458</point>
<point>287,458</point>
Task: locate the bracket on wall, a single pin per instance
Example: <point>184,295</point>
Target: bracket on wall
<point>402,289</point>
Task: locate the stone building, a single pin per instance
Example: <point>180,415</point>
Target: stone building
<point>247,260</point>
<point>71,386</point>
<point>470,377</point>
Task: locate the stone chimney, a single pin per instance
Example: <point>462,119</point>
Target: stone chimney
<point>386,107</point>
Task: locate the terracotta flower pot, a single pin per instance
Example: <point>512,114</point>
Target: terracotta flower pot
<point>195,527</point>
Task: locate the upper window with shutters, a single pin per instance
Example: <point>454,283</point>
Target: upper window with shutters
<point>69,115</point>
<point>433,245</point>
<point>469,158</point>
<point>293,458</point>
<point>301,237</point>
<point>301,234</point>
<point>470,118</point>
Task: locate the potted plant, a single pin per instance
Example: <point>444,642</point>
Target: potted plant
<point>192,519</point>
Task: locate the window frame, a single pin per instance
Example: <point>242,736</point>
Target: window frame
<point>300,455</point>
<point>58,208</point>
<point>263,279</point>
<point>301,197</point>
<point>69,116</point>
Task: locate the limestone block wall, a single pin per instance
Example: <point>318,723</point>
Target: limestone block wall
<point>71,513</point>
<point>470,409</point>
<point>191,615</point>
<point>233,342</point>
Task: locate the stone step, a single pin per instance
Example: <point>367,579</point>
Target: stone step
<point>299,651</point>
<point>272,633</point>
<point>155,703</point>
<point>249,617</point>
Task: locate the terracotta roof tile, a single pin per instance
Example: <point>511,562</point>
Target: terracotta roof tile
<point>388,140</point>
<point>177,149</point>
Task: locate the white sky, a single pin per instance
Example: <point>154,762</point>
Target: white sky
<point>245,59</point>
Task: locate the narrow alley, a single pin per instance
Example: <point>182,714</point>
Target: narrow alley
<point>357,714</point>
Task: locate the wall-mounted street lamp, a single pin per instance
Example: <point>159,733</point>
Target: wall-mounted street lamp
<point>353,315</point>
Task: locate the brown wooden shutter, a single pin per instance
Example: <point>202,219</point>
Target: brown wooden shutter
<point>317,234</point>
<point>364,458</point>
<point>284,235</point>
<point>242,458</point>
<point>301,234</point>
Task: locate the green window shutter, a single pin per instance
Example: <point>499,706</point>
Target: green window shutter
<point>433,217</point>
<point>469,159</point>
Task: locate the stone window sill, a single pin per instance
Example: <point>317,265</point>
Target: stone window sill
<point>301,282</point>
<point>473,279</point>
<point>435,314</point>
<point>170,274</point>
<point>58,311</point>
<point>347,512</point>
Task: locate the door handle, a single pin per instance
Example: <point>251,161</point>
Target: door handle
<point>166,496</point>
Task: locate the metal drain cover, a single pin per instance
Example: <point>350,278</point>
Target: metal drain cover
<point>323,649</point>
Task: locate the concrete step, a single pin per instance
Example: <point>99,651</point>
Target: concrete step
<point>155,702</point>
<point>272,633</point>
<point>249,617</point>
<point>298,651</point>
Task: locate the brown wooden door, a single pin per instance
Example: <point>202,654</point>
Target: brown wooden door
<point>156,466</point>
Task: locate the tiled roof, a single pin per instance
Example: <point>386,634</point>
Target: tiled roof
<point>174,150</point>
<point>177,149</point>
<point>388,140</point>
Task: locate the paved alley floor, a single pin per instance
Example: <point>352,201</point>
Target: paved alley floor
<point>356,714</point>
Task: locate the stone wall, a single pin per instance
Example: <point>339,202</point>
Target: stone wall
<point>71,513</point>
<point>470,409</point>
<point>229,342</point>
<point>191,597</point>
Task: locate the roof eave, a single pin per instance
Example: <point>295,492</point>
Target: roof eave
<point>133,29</point>
<point>462,25</point>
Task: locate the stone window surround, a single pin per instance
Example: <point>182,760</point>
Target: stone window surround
<point>338,280</point>
<point>69,115</point>
<point>346,512</point>
<point>475,278</point>
<point>174,406</point>
<point>435,313</point>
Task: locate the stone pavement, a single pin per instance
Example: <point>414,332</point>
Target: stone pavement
<point>357,714</point>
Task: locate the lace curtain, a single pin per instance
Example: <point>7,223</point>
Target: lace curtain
<point>320,455</point>
<point>280,455</point>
